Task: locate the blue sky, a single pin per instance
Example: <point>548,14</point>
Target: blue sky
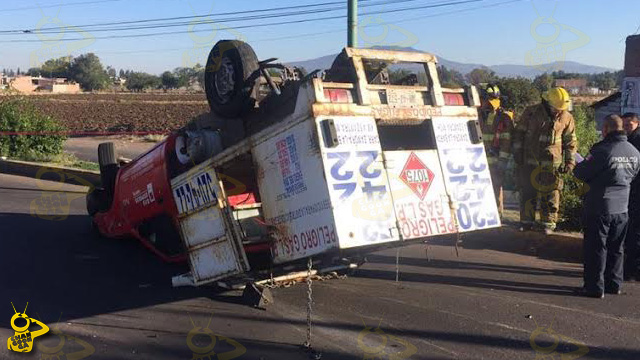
<point>489,32</point>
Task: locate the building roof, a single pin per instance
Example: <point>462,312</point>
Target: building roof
<point>616,96</point>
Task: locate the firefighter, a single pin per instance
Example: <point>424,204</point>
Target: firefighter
<point>609,169</point>
<point>497,125</point>
<point>544,148</point>
<point>632,240</point>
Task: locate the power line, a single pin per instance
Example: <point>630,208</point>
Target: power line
<point>58,5</point>
<point>246,26</point>
<point>413,19</point>
<point>204,19</point>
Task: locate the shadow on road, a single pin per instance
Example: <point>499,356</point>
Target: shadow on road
<point>464,281</point>
<point>64,267</point>
<point>462,338</point>
<point>466,265</point>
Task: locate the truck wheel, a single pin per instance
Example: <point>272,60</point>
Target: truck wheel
<point>231,78</point>
<point>108,162</point>
<point>107,154</point>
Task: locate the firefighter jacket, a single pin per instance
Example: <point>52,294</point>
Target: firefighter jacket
<point>609,169</point>
<point>540,140</point>
<point>497,127</point>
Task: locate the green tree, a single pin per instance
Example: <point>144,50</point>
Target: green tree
<point>87,71</point>
<point>138,81</point>
<point>481,76</point>
<point>59,67</point>
<point>543,82</point>
<point>184,74</point>
<point>169,80</point>
<point>450,78</point>
<point>518,93</point>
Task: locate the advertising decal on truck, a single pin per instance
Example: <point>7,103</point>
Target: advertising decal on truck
<point>466,174</point>
<point>358,184</point>
<point>295,203</point>
<point>419,193</point>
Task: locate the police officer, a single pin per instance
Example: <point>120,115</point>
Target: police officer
<point>544,148</point>
<point>497,125</point>
<point>632,240</point>
<point>608,170</point>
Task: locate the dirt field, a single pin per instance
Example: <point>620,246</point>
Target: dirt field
<point>122,112</point>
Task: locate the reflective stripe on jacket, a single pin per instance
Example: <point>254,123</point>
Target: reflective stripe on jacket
<point>496,134</point>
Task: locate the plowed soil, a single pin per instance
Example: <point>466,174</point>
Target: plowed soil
<point>122,112</point>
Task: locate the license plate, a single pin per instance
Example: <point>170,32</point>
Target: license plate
<point>196,192</point>
<point>402,97</point>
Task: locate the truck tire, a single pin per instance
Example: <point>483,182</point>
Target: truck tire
<point>231,78</point>
<point>108,162</point>
<point>107,154</point>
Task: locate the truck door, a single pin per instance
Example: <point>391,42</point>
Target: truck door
<point>210,235</point>
<point>417,183</point>
<point>466,173</point>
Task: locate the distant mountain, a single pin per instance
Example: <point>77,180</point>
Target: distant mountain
<point>507,70</point>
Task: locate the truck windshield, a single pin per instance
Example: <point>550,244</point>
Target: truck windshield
<point>381,72</point>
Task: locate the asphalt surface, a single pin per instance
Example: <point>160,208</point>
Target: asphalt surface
<point>111,299</point>
<point>86,148</point>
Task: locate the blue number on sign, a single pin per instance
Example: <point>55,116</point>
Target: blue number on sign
<point>370,190</point>
<point>348,189</point>
<point>369,158</point>
<point>464,217</point>
<point>475,164</point>
<point>484,184</point>
<point>454,169</point>
<point>462,193</point>
<point>335,169</point>
<point>478,219</point>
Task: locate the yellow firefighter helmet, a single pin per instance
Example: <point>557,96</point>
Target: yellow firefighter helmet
<point>557,97</point>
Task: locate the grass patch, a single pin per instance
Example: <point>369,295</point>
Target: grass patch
<point>65,159</point>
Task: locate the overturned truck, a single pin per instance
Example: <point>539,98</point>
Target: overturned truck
<point>288,165</point>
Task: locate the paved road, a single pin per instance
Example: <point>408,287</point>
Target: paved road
<point>86,148</point>
<point>113,300</point>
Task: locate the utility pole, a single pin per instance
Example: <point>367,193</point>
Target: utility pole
<point>352,19</point>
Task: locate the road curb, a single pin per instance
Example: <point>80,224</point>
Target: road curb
<point>50,172</point>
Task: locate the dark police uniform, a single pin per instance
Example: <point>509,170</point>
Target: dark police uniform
<point>609,169</point>
<point>632,240</point>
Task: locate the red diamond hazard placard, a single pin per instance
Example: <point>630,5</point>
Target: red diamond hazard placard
<point>417,176</point>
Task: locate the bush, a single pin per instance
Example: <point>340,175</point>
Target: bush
<point>574,189</point>
<point>517,94</point>
<point>18,115</point>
